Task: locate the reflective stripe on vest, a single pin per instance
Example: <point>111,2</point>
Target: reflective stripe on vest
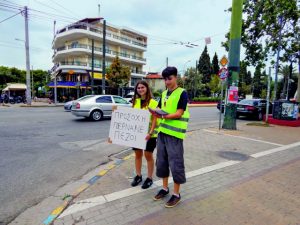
<point>173,127</point>
<point>152,104</point>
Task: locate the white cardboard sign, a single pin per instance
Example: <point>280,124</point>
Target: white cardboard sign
<point>129,127</point>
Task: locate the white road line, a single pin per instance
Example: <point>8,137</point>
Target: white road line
<point>91,202</point>
<point>271,151</point>
<point>241,137</point>
<point>99,200</point>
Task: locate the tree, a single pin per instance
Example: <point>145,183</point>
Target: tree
<point>261,28</point>
<point>215,64</point>
<point>193,83</point>
<point>215,84</point>
<point>248,78</point>
<point>287,73</point>
<point>180,82</point>
<point>256,84</point>
<point>204,66</point>
<point>117,74</point>
<point>242,78</point>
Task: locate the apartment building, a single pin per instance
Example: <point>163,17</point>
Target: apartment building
<point>72,56</point>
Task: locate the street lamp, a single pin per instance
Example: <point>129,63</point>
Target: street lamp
<point>28,86</point>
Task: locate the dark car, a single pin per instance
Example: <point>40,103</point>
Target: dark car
<point>255,108</point>
<point>218,105</point>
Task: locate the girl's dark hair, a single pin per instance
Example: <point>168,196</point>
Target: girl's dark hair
<point>148,94</point>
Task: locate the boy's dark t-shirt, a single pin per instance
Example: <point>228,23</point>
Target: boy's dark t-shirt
<point>182,103</point>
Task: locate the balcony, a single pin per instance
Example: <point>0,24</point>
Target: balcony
<point>87,49</point>
<point>82,30</point>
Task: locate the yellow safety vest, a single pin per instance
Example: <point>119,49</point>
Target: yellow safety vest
<point>152,104</point>
<point>174,127</point>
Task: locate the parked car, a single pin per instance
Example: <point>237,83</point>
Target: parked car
<point>68,105</point>
<point>129,97</point>
<point>97,107</point>
<point>223,104</point>
<point>255,108</point>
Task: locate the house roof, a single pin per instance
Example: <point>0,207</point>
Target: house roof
<point>15,86</point>
<point>154,76</point>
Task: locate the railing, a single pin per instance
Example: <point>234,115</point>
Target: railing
<point>108,34</point>
<point>73,63</point>
<point>108,51</point>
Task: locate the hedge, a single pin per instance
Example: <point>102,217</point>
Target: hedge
<point>206,99</point>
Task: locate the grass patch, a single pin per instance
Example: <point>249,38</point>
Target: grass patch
<point>259,124</point>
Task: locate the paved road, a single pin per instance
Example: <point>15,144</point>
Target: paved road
<point>41,149</point>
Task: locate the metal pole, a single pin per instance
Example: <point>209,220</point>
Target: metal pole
<point>55,89</point>
<point>277,60</point>
<point>93,59</point>
<point>99,10</point>
<point>221,100</point>
<point>268,95</point>
<point>28,89</point>
<point>32,81</point>
<point>54,23</point>
<point>167,61</point>
<point>103,57</point>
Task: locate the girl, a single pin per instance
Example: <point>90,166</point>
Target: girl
<point>142,99</point>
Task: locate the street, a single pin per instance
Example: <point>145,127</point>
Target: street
<point>41,149</point>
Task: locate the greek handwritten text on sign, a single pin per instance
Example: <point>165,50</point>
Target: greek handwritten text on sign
<point>129,127</point>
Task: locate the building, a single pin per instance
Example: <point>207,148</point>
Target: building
<point>72,56</point>
<point>156,82</point>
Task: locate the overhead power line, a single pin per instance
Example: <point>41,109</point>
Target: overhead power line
<point>10,17</point>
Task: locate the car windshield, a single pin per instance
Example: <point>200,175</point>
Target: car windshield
<point>248,102</point>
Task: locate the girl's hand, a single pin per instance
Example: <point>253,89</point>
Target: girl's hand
<point>148,137</point>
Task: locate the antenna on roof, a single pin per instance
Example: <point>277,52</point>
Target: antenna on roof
<point>99,10</point>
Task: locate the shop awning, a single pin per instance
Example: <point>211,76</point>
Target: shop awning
<point>14,87</point>
<point>71,71</point>
<point>67,84</point>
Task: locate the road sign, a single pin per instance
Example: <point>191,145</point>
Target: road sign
<point>224,61</point>
<point>223,73</point>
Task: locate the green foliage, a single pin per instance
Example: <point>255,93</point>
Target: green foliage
<point>204,66</point>
<point>215,84</point>
<point>215,64</point>
<point>156,94</point>
<point>261,28</point>
<point>193,83</point>
<point>206,99</point>
<point>14,75</point>
<point>180,82</point>
<point>117,74</point>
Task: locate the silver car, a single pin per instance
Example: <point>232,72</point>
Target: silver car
<point>97,107</point>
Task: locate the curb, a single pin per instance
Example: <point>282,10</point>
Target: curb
<point>202,105</point>
<point>57,211</point>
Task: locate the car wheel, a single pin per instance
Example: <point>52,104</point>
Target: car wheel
<point>260,116</point>
<point>96,115</point>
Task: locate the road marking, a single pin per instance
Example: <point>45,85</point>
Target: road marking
<point>99,200</point>
<point>274,150</point>
<point>91,202</point>
<point>241,137</point>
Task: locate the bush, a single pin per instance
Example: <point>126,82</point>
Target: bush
<point>206,99</point>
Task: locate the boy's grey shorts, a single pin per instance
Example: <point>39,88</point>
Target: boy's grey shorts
<point>170,155</point>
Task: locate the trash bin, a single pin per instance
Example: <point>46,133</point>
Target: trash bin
<point>285,110</point>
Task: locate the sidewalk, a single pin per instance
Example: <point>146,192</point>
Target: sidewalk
<point>249,176</point>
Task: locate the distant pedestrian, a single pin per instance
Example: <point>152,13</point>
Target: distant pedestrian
<point>172,131</point>
<point>142,99</point>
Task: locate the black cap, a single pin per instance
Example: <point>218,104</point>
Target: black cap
<point>169,71</point>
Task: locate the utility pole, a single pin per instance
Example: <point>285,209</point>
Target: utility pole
<point>234,60</point>
<point>28,89</point>
<point>277,59</point>
<point>32,81</point>
<point>167,62</point>
<point>99,10</point>
<point>103,56</point>
<point>93,61</point>
<point>268,95</point>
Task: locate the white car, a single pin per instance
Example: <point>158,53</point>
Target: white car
<point>97,107</point>
<point>129,97</point>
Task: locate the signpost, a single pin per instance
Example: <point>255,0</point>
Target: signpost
<point>129,127</point>
<point>223,74</point>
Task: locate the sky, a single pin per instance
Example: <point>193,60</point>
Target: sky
<point>164,22</point>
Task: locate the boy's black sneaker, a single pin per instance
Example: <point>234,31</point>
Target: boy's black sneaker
<point>161,194</point>
<point>136,181</point>
<point>148,182</point>
<point>173,201</point>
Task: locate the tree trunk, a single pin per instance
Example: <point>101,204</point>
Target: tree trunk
<point>298,88</point>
